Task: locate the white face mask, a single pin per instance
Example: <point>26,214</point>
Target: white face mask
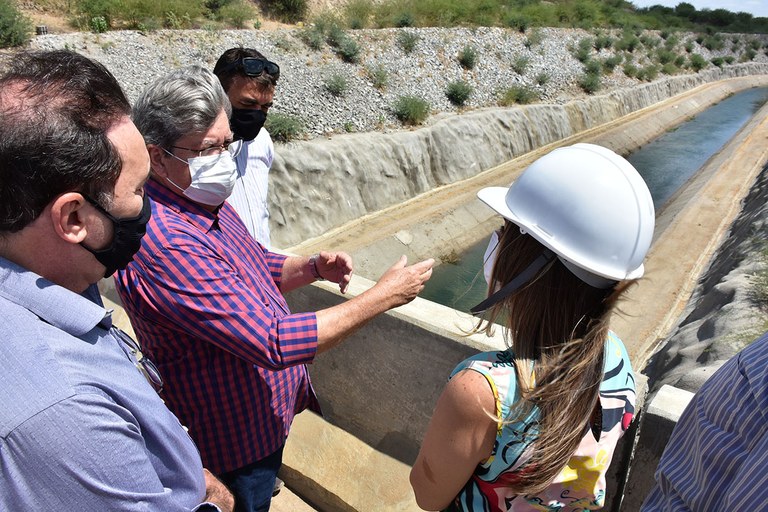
<point>213,178</point>
<point>489,258</point>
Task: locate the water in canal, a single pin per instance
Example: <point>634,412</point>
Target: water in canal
<point>665,163</point>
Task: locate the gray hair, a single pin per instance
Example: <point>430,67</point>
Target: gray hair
<point>187,100</point>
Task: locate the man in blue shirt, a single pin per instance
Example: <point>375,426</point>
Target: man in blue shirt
<point>81,427</point>
<point>717,455</point>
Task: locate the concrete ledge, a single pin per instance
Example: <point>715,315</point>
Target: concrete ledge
<point>382,383</point>
<point>336,471</point>
<point>656,426</point>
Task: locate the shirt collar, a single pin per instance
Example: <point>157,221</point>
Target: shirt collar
<point>193,212</point>
<point>71,312</point>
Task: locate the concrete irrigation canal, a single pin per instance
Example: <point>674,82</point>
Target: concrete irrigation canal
<point>378,196</point>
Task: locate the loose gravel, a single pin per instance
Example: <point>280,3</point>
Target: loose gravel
<point>137,58</point>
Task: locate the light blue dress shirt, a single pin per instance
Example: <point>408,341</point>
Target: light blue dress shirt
<point>80,427</point>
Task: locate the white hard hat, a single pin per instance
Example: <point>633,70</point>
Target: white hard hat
<point>588,205</point>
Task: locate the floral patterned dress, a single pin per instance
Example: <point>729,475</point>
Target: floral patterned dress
<point>581,484</point>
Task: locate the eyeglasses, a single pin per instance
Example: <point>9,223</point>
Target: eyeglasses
<point>233,148</point>
<point>144,364</point>
<point>253,66</point>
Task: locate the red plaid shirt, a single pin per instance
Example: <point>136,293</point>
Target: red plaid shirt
<point>203,297</point>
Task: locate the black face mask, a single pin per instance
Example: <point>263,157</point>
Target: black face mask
<point>126,240</point>
<point>246,123</point>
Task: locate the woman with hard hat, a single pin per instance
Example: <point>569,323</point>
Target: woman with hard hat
<point>534,427</point>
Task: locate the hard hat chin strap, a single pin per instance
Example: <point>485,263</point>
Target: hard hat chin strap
<point>544,258</point>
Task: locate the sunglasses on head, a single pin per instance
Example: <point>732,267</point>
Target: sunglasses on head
<point>253,66</point>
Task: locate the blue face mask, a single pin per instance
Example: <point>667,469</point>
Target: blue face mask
<point>126,240</point>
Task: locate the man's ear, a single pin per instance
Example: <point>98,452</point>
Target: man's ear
<point>68,218</point>
<point>157,160</point>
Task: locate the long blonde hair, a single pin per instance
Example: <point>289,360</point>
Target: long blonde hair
<point>556,326</point>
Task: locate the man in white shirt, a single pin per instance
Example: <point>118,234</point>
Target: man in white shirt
<point>249,80</point>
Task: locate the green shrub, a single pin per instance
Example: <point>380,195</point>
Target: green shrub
<point>669,69</point>
<point>648,73</point>
<point>542,78</point>
<point>680,61</point>
<point>153,24</point>
<point>149,15</point>
<point>15,28</point>
<point>404,19</point>
<point>358,13</point>
<point>650,41</point>
<point>688,47</point>
<point>289,11</point>
<point>729,59</point>
<point>630,70</point>
<point>603,41</point>
<point>584,50</point>
<point>284,127</point>
<point>697,62</point>
<point>590,82</point>
<point>518,94</point>
<point>717,61</point>
<point>468,57</point>
<point>748,55</point>
<point>458,92</point>
<point>90,9</point>
<point>535,38</point>
<point>335,35</point>
<point>754,44</point>
<point>713,43</point>
<point>378,75</point>
<point>628,42</point>
<point>336,84</point>
<point>671,43</point>
<point>98,25</point>
<point>665,56</point>
<point>593,67</point>
<point>758,289</point>
<point>520,64</point>
<point>237,13</point>
<point>312,37</point>
<point>519,21</point>
<point>411,110</point>
<point>407,40</point>
<point>610,63</point>
<point>349,50</point>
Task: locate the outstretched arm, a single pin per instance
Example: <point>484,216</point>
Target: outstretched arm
<point>399,285</point>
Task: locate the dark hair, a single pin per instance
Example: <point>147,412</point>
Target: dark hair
<point>226,75</point>
<point>55,110</point>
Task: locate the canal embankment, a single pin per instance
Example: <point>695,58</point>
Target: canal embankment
<point>381,385</point>
<point>378,389</point>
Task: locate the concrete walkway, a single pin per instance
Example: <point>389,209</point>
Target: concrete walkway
<point>288,501</point>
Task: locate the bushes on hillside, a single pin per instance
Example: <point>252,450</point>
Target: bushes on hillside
<point>458,92</point>
<point>15,28</point>
<point>411,110</point>
<point>283,127</point>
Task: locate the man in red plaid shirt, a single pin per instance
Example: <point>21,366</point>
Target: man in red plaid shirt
<point>206,299</point>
